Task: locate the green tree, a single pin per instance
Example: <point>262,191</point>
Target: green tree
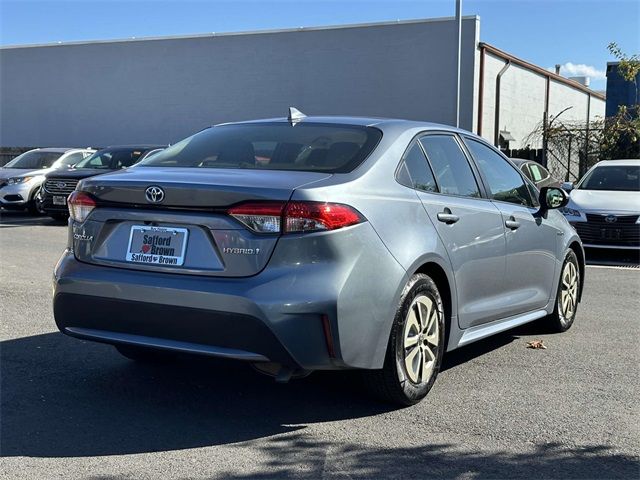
<point>620,135</point>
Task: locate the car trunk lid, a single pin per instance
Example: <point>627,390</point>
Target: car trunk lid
<point>188,229</point>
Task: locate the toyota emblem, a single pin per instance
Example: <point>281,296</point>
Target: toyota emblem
<point>611,219</point>
<point>154,194</point>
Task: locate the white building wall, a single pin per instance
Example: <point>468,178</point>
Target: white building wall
<point>522,94</point>
<point>522,102</point>
<point>563,96</point>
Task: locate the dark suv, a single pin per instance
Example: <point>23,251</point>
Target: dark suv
<point>59,184</point>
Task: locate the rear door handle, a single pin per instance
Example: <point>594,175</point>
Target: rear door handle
<point>512,223</point>
<point>447,217</point>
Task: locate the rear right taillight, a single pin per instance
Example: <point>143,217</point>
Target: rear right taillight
<point>318,216</point>
<point>295,216</point>
<point>80,205</point>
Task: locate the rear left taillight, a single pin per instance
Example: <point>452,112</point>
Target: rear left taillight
<point>80,205</point>
<point>295,216</point>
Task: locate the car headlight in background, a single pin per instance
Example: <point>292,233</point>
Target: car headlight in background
<point>570,212</point>
<point>15,180</point>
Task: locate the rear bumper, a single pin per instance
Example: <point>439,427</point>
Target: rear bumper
<point>289,313</point>
<point>218,317</point>
<point>192,330</point>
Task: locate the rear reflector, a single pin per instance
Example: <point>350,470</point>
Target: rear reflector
<point>80,205</point>
<point>328,336</point>
<point>295,216</point>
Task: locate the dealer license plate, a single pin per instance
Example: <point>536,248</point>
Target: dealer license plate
<point>157,245</point>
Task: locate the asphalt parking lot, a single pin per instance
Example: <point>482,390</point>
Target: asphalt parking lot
<point>73,409</point>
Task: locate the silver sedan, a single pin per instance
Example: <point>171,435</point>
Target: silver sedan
<point>318,243</point>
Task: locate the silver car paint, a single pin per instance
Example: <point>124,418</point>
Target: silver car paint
<point>27,189</point>
<point>496,279</point>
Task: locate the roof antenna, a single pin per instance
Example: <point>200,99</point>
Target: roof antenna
<point>295,116</point>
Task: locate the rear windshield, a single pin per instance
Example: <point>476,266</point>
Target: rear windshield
<point>311,147</point>
<point>34,160</point>
<point>614,177</point>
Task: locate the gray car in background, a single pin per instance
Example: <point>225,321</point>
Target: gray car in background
<point>535,172</point>
<point>317,243</point>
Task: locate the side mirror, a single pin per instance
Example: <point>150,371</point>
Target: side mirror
<point>552,198</point>
<point>567,186</point>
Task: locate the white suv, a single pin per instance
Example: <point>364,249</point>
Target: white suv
<point>21,179</point>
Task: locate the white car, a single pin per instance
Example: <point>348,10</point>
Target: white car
<point>604,207</point>
<point>21,179</point>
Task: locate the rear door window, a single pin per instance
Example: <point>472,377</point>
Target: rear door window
<point>415,172</point>
<point>450,165</point>
<point>537,172</point>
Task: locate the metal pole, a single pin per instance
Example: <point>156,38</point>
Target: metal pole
<point>496,125</point>
<point>458,59</point>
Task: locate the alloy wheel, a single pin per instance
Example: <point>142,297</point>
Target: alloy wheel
<point>569,290</point>
<point>421,338</point>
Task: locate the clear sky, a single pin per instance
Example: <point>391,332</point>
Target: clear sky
<point>574,33</point>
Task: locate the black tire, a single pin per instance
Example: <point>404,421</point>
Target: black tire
<point>393,383</point>
<point>34,207</point>
<point>561,319</point>
<point>142,354</point>
<point>59,217</point>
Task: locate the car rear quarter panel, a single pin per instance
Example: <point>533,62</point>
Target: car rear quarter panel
<point>400,221</point>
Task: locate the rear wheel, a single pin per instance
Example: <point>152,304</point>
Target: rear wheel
<point>567,296</point>
<point>416,345</point>
<point>142,354</point>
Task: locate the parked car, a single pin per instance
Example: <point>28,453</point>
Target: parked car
<point>59,184</point>
<point>21,179</point>
<point>536,173</point>
<point>318,243</point>
<point>604,207</point>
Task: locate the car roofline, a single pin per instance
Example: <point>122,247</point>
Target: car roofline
<point>380,122</point>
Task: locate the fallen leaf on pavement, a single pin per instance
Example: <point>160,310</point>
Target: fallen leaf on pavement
<point>536,344</point>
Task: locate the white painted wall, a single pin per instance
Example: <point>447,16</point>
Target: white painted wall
<point>522,101</point>
<point>563,96</point>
